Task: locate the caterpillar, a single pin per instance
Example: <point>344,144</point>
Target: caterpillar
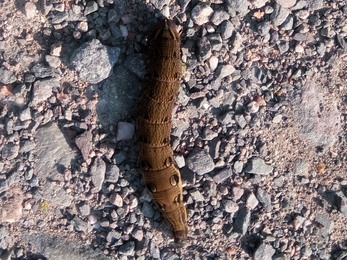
<point>161,175</point>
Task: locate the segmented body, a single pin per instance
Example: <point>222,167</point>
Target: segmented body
<point>161,175</point>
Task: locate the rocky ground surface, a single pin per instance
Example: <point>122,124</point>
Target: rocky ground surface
<point>259,129</point>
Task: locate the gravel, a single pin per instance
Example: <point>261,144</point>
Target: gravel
<point>258,130</point>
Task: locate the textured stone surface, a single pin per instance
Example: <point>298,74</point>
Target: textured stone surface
<point>199,161</point>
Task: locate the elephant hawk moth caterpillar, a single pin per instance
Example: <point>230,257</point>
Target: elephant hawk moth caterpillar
<point>161,175</point>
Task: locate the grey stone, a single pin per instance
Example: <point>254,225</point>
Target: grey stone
<point>94,61</point>
<point>200,161</point>
<point>240,6</point>
<point>242,220</point>
<point>112,173</point>
<point>147,210</point>
<point>125,131</point>
<point>7,76</point>
<point>154,250</point>
<point>201,13</point>
<point>118,97</point>
<point>300,37</point>
<point>54,246</point>
<point>288,23</point>
<point>258,3</point>
<point>279,15</point>
<point>223,175</point>
<point>241,121</point>
<point>10,151</point>
<point>42,90</point>
<point>227,29</point>
<point>83,208</point>
<point>264,252</point>
<point>283,46</point>
<point>205,50</point>
<point>60,17</point>
<point>258,166</point>
<point>238,166</point>
<point>219,16</point>
<point>91,7</point>
<point>113,236</point>
<point>318,127</point>
<point>224,70</point>
<point>263,28</point>
<point>286,3</point>
<point>265,199</point>
<point>196,195</point>
<point>136,64</point>
<point>84,143</point>
<point>209,134</point>
<point>5,238</point>
<point>97,171</point>
<point>314,5</point>
<point>251,201</point>
<point>188,175</point>
<point>216,41</point>
<point>116,200</point>
<point>230,206</point>
<point>127,249</point>
<point>79,224</point>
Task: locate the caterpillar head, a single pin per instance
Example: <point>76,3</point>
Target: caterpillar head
<point>165,29</point>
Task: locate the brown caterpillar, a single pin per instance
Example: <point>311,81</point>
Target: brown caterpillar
<point>161,175</point>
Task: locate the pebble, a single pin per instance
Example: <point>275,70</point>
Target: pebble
<point>42,71</point>
<point>201,13</point>
<point>224,70</point>
<point>79,224</point>
<point>137,233</point>
<point>259,3</point>
<point>251,201</point>
<point>91,7</point>
<point>154,250</point>
<point>219,16</point>
<point>286,3</point>
<point>147,210</point>
<point>242,220</point>
<point>127,249</point>
<point>113,236</point>
<point>94,61</point>
<point>196,195</point>
<point>116,200</point>
<point>7,76</point>
<point>314,5</point>
<point>230,206</point>
<point>277,119</point>
<point>59,17</point>
<point>30,10</point>
<point>179,159</point>
<point>265,199</point>
<point>263,28</point>
<point>97,171</point>
<point>83,208</point>
<point>258,166</point>
<point>227,29</point>
<point>279,15</point>
<point>10,151</point>
<point>84,144</point>
<point>53,61</point>
<point>11,209</point>
<point>241,121</point>
<point>205,49</point>
<point>264,252</point>
<point>200,161</point>
<point>213,62</point>
<point>125,131</point>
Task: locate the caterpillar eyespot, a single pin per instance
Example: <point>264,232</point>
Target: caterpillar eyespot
<point>162,81</point>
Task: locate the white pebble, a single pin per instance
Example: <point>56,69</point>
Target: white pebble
<point>213,61</point>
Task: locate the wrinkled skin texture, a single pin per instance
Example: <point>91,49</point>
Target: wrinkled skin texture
<point>161,175</point>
